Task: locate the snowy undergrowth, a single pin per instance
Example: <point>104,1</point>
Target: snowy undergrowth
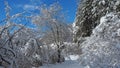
<point>102,49</point>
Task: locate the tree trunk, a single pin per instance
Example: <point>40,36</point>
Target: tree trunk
<point>59,54</point>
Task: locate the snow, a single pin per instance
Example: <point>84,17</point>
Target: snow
<point>118,32</point>
<point>72,57</point>
<point>103,2</point>
<point>109,17</point>
<point>117,3</point>
<point>75,27</point>
<point>105,22</point>
<point>103,19</point>
<point>102,48</point>
<point>66,64</point>
<point>1,67</point>
<point>70,62</point>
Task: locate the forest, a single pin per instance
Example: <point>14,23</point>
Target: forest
<point>45,39</point>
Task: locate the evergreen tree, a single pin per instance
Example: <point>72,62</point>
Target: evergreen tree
<point>102,48</point>
<point>89,14</point>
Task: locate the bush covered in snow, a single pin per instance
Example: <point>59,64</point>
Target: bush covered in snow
<point>102,48</point>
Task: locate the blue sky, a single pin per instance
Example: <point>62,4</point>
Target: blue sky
<point>68,6</point>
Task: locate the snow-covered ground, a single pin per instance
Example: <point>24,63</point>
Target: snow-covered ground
<point>66,64</point>
<point>71,62</point>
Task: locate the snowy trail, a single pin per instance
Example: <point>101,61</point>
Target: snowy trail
<point>66,64</point>
<point>70,62</point>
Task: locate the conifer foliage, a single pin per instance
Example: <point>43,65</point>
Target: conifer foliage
<point>89,14</point>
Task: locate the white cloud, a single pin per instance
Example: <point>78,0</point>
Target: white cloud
<point>29,7</point>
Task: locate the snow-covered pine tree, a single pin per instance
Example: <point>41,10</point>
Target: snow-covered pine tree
<point>89,13</point>
<point>102,48</point>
